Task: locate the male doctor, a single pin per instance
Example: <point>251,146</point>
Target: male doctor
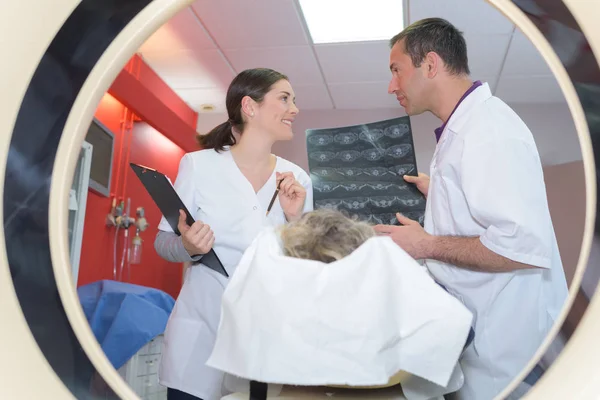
<point>488,236</point>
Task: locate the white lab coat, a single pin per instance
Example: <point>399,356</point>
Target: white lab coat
<point>487,181</point>
<point>216,192</point>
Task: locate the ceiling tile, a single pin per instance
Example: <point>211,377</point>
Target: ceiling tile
<point>354,62</point>
<point>523,58</point>
<point>188,69</point>
<point>470,16</point>
<point>364,95</point>
<point>486,54</point>
<point>297,62</point>
<point>368,62</point>
<point>197,97</point>
<point>529,90</point>
<point>312,97</point>
<point>182,32</point>
<point>236,24</point>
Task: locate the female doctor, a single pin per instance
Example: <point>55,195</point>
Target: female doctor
<point>488,236</point>
<point>227,186</point>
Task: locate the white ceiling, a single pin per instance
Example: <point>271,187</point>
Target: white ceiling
<point>201,49</point>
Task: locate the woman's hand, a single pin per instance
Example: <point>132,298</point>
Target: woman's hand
<point>198,238</point>
<point>291,195</point>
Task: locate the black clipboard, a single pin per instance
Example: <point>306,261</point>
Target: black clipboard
<point>169,203</point>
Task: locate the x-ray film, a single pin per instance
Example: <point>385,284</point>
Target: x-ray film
<point>358,170</point>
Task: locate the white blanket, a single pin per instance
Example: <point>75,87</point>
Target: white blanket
<point>356,321</point>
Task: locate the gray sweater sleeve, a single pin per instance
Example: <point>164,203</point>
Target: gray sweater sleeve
<point>169,246</point>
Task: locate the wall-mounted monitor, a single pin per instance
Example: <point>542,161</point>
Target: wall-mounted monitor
<point>102,141</point>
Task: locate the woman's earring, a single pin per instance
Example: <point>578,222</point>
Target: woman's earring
<point>252,114</point>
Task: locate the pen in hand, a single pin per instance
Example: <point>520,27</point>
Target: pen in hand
<point>273,198</point>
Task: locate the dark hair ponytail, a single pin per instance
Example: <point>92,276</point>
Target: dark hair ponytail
<point>252,82</point>
<point>219,137</point>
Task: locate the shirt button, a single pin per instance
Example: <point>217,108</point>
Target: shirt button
<point>254,208</point>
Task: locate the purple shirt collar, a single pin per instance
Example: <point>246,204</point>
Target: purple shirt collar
<point>440,130</point>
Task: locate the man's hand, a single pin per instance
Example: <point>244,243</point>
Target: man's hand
<point>421,181</point>
<point>198,238</point>
<point>462,252</point>
<point>411,236</point>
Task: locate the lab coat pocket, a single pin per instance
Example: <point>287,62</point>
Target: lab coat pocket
<point>181,336</point>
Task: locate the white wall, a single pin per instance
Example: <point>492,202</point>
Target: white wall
<point>295,150</point>
<point>552,127</point>
<point>551,124</point>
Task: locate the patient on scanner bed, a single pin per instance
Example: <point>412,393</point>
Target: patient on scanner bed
<point>324,301</point>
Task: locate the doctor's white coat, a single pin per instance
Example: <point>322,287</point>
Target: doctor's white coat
<point>487,181</point>
<point>216,192</point>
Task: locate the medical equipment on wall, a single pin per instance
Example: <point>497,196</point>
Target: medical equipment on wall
<point>135,252</point>
<point>131,253</point>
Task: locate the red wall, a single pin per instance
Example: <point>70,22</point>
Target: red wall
<point>158,87</point>
<point>158,105</point>
<point>141,143</point>
<point>96,260</point>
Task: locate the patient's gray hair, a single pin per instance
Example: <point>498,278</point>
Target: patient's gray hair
<point>324,235</point>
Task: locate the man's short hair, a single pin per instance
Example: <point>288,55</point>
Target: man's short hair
<point>439,36</point>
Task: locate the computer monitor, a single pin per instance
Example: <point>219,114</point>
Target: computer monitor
<point>102,141</point>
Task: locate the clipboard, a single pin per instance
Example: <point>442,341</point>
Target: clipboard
<point>169,203</point>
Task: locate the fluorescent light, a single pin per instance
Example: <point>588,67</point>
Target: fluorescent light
<point>335,21</point>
